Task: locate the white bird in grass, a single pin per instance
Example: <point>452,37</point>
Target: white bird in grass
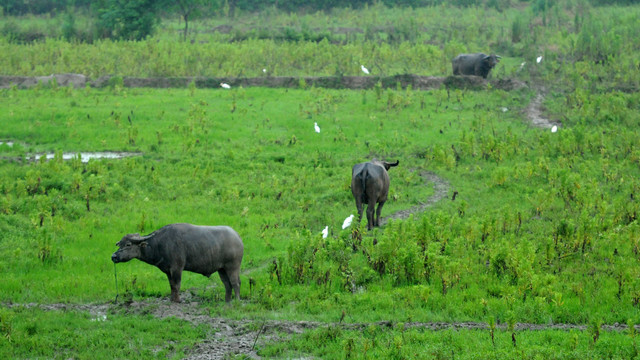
<point>554,129</point>
<point>225,85</point>
<point>347,222</point>
<point>325,232</point>
<point>522,66</point>
<point>364,69</point>
<point>539,59</point>
<point>315,126</point>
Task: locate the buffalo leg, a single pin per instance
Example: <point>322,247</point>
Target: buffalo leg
<point>378,211</point>
<point>234,279</point>
<point>175,277</point>
<point>227,284</point>
<point>371,208</point>
<point>359,207</point>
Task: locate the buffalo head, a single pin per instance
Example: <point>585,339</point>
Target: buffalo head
<point>129,248</point>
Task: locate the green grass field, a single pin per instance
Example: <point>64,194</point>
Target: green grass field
<point>543,229</point>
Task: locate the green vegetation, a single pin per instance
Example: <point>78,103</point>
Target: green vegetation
<point>543,229</point>
<point>400,343</point>
<point>34,333</point>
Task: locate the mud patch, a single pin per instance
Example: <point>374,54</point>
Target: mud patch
<point>75,80</point>
<point>86,156</point>
<point>534,113</point>
<point>416,82</point>
<point>243,337</point>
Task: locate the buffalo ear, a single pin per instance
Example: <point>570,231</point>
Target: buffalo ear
<point>143,244</point>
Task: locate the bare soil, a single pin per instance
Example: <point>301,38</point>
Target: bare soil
<point>244,337</point>
<point>333,82</point>
<point>534,111</point>
<point>440,191</point>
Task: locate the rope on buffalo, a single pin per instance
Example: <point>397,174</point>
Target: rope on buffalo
<point>115,274</point>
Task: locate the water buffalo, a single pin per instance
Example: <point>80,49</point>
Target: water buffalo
<point>370,185</point>
<point>177,247</point>
<point>474,64</point>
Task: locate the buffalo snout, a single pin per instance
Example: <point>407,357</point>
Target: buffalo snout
<point>115,258</point>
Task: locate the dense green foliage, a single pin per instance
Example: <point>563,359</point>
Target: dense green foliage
<point>400,343</point>
<point>127,19</point>
<point>583,47</point>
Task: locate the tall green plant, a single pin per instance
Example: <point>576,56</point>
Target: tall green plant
<point>128,19</point>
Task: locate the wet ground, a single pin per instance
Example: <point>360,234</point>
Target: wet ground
<point>416,82</point>
<point>86,156</point>
<point>244,337</point>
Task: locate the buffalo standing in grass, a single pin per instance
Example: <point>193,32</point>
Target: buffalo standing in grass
<point>370,185</point>
<point>474,64</point>
<point>177,247</point>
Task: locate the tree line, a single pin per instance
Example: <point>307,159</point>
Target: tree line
<point>136,19</point>
<point>211,7</point>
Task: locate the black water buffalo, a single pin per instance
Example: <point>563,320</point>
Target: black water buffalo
<point>177,247</point>
<point>370,185</point>
<point>474,64</point>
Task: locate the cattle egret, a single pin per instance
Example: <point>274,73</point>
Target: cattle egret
<point>364,69</point>
<point>315,126</point>
<point>554,129</point>
<point>539,59</point>
<point>264,71</point>
<point>522,66</point>
<point>325,232</point>
<point>225,85</point>
<point>504,109</point>
<point>347,222</point>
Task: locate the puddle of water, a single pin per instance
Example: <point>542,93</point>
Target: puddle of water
<point>86,156</point>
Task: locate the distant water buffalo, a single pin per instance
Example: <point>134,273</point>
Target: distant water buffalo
<point>177,247</point>
<point>370,185</point>
<point>474,64</point>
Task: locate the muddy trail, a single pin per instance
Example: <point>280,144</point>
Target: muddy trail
<point>417,82</point>
<point>245,337</point>
<point>440,191</point>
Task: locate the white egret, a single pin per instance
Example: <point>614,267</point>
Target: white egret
<point>554,129</point>
<point>539,59</point>
<point>347,222</point>
<point>522,66</point>
<point>264,71</point>
<point>504,109</point>
<point>225,85</point>
<point>325,232</point>
<point>364,69</point>
<point>315,126</point>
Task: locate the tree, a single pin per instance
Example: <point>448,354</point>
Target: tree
<point>128,19</point>
<point>190,9</point>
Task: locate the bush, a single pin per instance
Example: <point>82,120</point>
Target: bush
<point>128,19</point>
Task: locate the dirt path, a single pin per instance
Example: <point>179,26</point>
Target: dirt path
<point>534,111</point>
<point>245,336</point>
<point>440,191</point>
<point>416,82</point>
